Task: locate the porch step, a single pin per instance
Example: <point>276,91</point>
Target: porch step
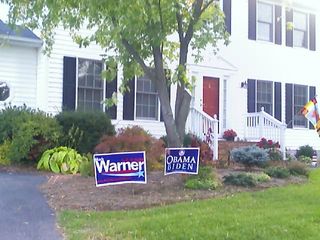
<point>226,146</point>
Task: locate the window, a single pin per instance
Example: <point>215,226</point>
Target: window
<point>265,22</point>
<point>90,85</point>
<point>265,96</point>
<point>147,106</point>
<point>4,91</point>
<point>300,98</point>
<point>300,29</point>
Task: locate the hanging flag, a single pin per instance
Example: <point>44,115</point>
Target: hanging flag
<point>311,112</point>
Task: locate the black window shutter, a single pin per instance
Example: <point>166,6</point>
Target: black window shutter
<point>289,31</point>
<point>289,105</point>
<point>251,99</point>
<point>111,87</point>
<point>227,14</point>
<point>128,101</point>
<point>252,21</point>
<point>278,24</point>
<point>69,83</point>
<point>312,94</point>
<point>277,100</point>
<point>312,32</point>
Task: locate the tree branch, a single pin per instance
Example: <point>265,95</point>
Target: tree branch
<point>195,17</point>
<point>206,6</point>
<point>135,55</point>
<point>180,29</point>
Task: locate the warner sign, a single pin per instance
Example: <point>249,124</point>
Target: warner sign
<point>118,168</point>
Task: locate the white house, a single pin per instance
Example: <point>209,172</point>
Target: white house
<point>267,64</point>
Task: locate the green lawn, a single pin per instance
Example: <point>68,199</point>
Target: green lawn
<point>291,212</point>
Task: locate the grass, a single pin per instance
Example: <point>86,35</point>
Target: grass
<point>291,212</point>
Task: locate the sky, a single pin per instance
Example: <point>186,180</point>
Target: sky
<point>3,12</point>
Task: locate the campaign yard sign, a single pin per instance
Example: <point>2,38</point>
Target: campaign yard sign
<point>119,168</point>
<point>181,160</point>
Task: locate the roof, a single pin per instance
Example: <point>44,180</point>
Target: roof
<point>20,35</point>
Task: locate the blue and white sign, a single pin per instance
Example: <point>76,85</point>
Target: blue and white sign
<point>119,168</point>
<point>181,160</point>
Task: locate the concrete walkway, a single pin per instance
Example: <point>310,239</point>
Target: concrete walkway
<point>24,212</point>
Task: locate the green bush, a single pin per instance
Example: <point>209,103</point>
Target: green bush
<point>240,179</point>
<point>132,139</point>
<point>304,159</point>
<point>4,152</point>
<point>83,130</point>
<point>29,131</point>
<point>246,179</point>
<point>87,167</point>
<point>250,156</point>
<point>298,168</point>
<point>61,160</point>
<point>277,172</point>
<point>206,179</point>
<point>305,150</point>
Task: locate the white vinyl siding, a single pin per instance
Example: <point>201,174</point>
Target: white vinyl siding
<point>18,69</point>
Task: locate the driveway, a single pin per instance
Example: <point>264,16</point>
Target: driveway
<point>24,212</point>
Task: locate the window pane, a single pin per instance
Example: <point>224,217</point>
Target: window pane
<point>265,32</point>
<point>299,38</point>
<point>146,99</point>
<point>265,12</point>
<point>300,99</point>
<point>265,96</point>
<point>300,21</point>
<point>90,85</point>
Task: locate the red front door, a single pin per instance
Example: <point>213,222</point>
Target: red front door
<point>211,96</point>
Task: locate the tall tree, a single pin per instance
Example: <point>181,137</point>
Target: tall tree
<point>143,35</point>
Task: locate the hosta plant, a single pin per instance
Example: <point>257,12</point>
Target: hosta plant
<point>61,160</point>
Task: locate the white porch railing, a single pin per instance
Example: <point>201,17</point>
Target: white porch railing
<point>204,127</point>
<point>261,124</point>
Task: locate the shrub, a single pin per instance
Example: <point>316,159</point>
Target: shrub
<point>298,168</point>
<point>4,152</point>
<point>277,172</point>
<point>134,139</point>
<point>272,148</point>
<point>29,131</point>
<point>83,130</point>
<point>61,160</point>
<point>87,167</point>
<point>246,179</point>
<point>240,179</point>
<point>304,159</point>
<point>250,156</point>
<point>206,179</point>
<point>305,150</point>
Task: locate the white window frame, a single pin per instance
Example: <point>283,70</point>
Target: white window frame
<point>77,82</point>
<point>306,30</point>
<point>273,23</point>
<point>135,105</point>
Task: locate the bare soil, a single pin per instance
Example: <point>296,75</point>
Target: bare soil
<point>76,192</point>
<point>80,193</point>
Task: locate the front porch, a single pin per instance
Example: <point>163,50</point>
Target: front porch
<point>257,125</point>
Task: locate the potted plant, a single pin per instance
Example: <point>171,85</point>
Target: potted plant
<point>229,135</point>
